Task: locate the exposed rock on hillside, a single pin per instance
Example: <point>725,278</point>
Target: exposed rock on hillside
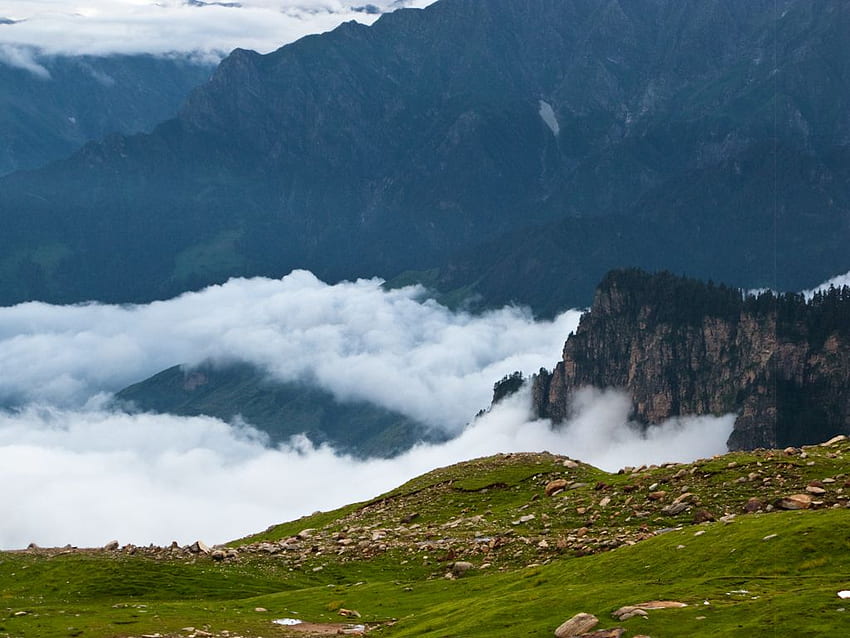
<point>681,347</point>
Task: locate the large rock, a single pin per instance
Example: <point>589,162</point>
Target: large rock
<point>555,486</point>
<point>794,502</point>
<point>199,547</point>
<point>577,625</point>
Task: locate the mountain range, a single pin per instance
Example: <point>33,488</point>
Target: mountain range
<point>56,104</point>
<point>506,150</point>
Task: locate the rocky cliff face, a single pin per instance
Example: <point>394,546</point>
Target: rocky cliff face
<point>680,347</point>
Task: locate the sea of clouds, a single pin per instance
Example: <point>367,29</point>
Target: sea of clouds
<point>32,28</point>
<point>74,471</point>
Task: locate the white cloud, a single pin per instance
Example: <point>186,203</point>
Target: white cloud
<point>354,339</point>
<point>144,26</point>
<point>22,58</point>
<point>87,477</point>
<point>838,281</point>
<point>82,475</point>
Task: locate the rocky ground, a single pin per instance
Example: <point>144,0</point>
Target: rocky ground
<point>518,511</point>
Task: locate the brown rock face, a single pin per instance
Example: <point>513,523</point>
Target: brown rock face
<point>795,502</point>
<point>682,347</point>
<point>577,625</point>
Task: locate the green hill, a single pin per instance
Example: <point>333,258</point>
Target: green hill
<point>280,409</point>
<point>489,547</point>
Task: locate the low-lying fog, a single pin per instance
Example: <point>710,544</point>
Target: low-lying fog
<point>72,471</point>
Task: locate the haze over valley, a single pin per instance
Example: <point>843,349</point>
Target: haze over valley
<point>157,476</point>
<point>412,317</point>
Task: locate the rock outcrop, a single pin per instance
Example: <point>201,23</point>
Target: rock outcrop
<point>682,347</point>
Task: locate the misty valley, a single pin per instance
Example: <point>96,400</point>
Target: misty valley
<point>424,318</point>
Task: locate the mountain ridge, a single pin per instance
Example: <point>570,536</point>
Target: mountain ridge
<point>49,112</point>
<point>400,146</point>
<point>282,410</point>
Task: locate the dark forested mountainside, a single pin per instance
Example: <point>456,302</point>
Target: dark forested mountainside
<point>61,102</point>
<point>280,409</point>
<point>519,146</point>
<point>682,347</point>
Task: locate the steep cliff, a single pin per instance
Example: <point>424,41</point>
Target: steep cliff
<point>682,347</point>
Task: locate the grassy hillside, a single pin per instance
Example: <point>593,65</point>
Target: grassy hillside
<point>456,552</point>
<point>280,409</point>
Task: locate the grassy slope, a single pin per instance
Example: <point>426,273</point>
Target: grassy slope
<point>791,579</point>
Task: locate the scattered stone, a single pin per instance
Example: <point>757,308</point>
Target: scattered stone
<point>660,604</point>
<point>218,555</point>
<point>111,546</point>
<point>844,593</point>
<point>306,533</point>
<point>753,505</point>
<point>199,547</point>
<point>260,610</point>
<point>577,625</point>
<point>349,613</point>
<point>459,568</point>
<point>553,487</point>
<point>769,536</point>
<point>629,611</point>
<point>20,613</point>
<point>814,489</point>
<point>794,502</point>
<point>674,508</point>
<point>703,516</point>
<point>657,496</point>
<point>569,463</point>
<point>834,440</point>
<point>606,500</point>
